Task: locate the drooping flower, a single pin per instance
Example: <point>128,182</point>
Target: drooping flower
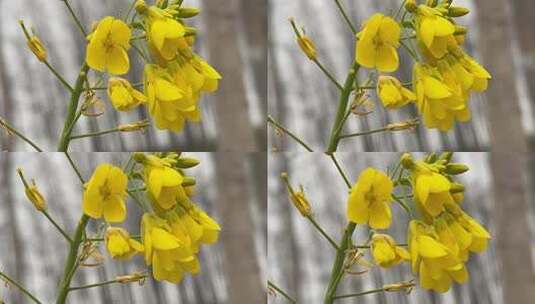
<point>169,255</point>
<point>392,93</point>
<point>434,32</point>
<point>377,44</point>
<point>163,182</point>
<point>120,245</point>
<point>104,194</point>
<point>370,199</point>
<point>385,252</point>
<point>123,96</point>
<point>431,189</point>
<point>439,104</point>
<point>197,225</point>
<point>435,263</point>
<point>169,103</point>
<point>108,46</point>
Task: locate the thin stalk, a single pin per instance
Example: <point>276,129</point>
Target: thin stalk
<point>95,133</point>
<point>409,50</point>
<point>346,17</point>
<point>71,262</point>
<point>272,121</point>
<point>98,284</point>
<point>338,265</point>
<point>282,292</point>
<point>4,124</point>
<point>75,168</point>
<point>365,132</point>
<point>360,293</point>
<point>344,176</point>
<point>140,52</point>
<point>76,20</point>
<point>58,227</point>
<point>20,287</point>
<point>63,144</point>
<point>342,107</point>
<point>327,237</point>
<point>58,76</point>
<point>328,74</point>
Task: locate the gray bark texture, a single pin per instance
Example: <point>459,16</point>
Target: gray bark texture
<point>33,252</point>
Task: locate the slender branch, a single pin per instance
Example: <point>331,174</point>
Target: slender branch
<point>139,84</point>
<point>63,144</point>
<point>360,293</point>
<point>318,227</point>
<point>344,176</point>
<point>137,200</point>
<point>405,207</point>
<point>65,235</point>
<point>395,127</point>
<point>20,287</point>
<point>101,284</point>
<point>58,76</point>
<point>76,20</point>
<point>75,168</point>
<point>409,50</point>
<point>328,74</point>
<point>346,17</point>
<point>285,130</point>
<point>140,52</point>
<point>95,133</point>
<point>102,239</point>
<point>4,124</point>
<point>282,292</point>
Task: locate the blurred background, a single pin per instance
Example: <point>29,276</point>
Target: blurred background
<point>232,37</point>
<point>300,260</point>
<point>231,189</point>
<point>300,97</point>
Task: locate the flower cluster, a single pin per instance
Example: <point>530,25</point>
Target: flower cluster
<point>174,76</point>
<point>440,238</point>
<point>172,228</point>
<point>443,74</point>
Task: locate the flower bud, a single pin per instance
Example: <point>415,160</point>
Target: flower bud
<point>141,7</point>
<point>411,6</point>
<point>456,168</point>
<point>457,11</point>
<point>406,161</point>
<point>404,125</point>
<point>401,286</point>
<point>32,193</point>
<point>188,181</point>
<point>35,44</point>
<point>457,188</point>
<point>136,126</point>
<point>300,202</point>
<point>307,46</point>
<point>187,12</point>
<point>130,278</point>
<point>187,162</point>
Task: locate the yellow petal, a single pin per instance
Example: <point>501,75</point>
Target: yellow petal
<point>380,215</point>
<point>114,210</point>
<point>430,248</point>
<point>96,56</point>
<point>120,33</point>
<point>435,89</point>
<point>387,59</point>
<point>163,240</point>
<point>117,61</point>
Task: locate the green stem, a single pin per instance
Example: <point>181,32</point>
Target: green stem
<point>409,50</point>
<point>344,176</point>
<point>67,237</point>
<point>365,132</point>
<point>96,285</point>
<point>318,227</point>
<point>293,136</point>
<point>75,168</point>
<point>282,292</point>
<point>76,20</point>
<point>346,18</point>
<point>342,107</point>
<point>328,74</point>
<point>95,133</point>
<point>58,76</point>
<point>24,290</point>
<point>19,134</point>
<point>71,262</point>
<point>140,52</point>
<point>338,266</point>
<point>359,294</point>
<point>63,144</point>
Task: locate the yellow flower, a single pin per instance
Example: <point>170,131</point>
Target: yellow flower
<point>37,199</point>
<point>34,43</point>
<point>431,189</point>
<point>436,264</point>
<point>197,225</point>
<point>433,31</point>
<point>164,183</point>
<point>169,255</point>
<point>437,102</point>
<point>169,103</point>
<point>120,245</point>
<point>392,93</point>
<point>370,199</point>
<point>377,44</point>
<point>122,95</point>
<point>386,253</point>
<point>104,194</point>
<point>108,45</point>
<point>480,74</point>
